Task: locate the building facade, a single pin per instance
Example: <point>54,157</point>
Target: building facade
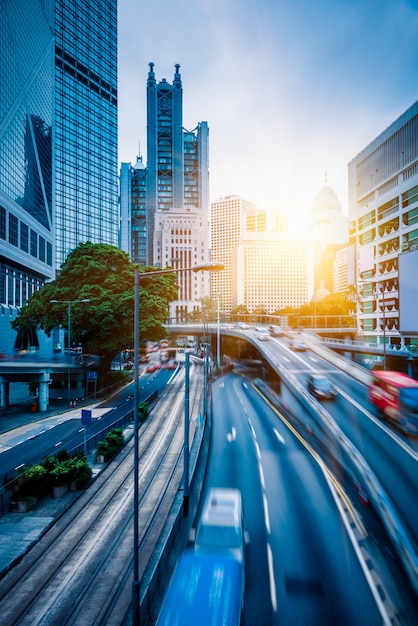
<point>58,142</point>
<point>228,224</point>
<point>167,202</point>
<point>270,272</point>
<point>329,232</point>
<point>383,213</point>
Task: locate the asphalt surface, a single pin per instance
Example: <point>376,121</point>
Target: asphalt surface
<point>20,531</point>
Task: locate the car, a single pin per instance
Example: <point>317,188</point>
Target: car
<point>262,334</point>
<point>276,331</point>
<point>321,387</point>
<point>298,345</point>
<point>171,365</point>
<point>152,367</point>
<point>242,326</point>
<point>221,526</point>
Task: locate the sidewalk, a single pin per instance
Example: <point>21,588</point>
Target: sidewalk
<point>20,531</point>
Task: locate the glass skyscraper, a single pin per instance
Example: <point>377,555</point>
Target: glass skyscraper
<point>58,140</point>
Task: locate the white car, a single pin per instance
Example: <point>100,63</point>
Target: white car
<point>221,527</point>
<point>262,334</point>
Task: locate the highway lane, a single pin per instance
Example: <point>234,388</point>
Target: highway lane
<point>302,566</point>
<point>391,455</point>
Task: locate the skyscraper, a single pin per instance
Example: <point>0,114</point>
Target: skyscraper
<point>167,202</point>
<point>58,141</point>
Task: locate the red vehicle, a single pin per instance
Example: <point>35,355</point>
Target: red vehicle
<point>396,396</point>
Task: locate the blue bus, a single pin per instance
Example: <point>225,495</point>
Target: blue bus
<point>206,589</point>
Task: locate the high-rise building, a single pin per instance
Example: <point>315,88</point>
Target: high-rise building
<point>228,223</point>
<point>383,213</point>
<point>167,201</point>
<point>329,232</point>
<point>58,141</point>
<point>269,272</point>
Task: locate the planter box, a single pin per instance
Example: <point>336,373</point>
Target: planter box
<point>25,505</point>
<point>72,486</point>
<point>60,491</point>
<point>100,458</point>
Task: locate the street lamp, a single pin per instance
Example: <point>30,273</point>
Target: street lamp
<point>204,267</point>
<point>69,303</point>
<point>218,338</point>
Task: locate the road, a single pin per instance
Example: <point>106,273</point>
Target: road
<point>309,556</point>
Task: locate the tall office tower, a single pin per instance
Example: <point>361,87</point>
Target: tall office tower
<point>168,200</point>
<point>133,237</point>
<point>383,213</point>
<point>272,221</point>
<point>228,224</point>
<point>328,228</point>
<point>58,141</point>
<point>271,272</point>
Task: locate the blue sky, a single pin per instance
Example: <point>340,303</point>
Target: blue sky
<point>290,88</point>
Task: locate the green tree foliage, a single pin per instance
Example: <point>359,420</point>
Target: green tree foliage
<point>104,275</point>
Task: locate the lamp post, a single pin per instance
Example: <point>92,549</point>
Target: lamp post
<point>69,303</point>
<point>218,338</point>
<point>205,267</point>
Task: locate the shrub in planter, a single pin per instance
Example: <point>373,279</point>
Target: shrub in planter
<point>62,473</point>
<point>111,445</point>
<point>143,410</point>
<point>82,472</point>
<point>30,484</point>
<point>102,449</point>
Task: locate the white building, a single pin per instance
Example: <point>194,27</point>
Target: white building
<point>272,272</point>
<point>383,213</point>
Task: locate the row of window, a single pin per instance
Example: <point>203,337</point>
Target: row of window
<point>18,234</point>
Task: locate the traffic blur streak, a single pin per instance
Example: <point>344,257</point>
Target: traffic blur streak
<point>303,562</point>
<point>340,440</point>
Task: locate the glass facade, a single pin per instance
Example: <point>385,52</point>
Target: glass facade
<point>86,165</point>
<point>58,138</point>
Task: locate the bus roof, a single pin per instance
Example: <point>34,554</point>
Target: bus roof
<point>395,378</point>
<point>204,590</point>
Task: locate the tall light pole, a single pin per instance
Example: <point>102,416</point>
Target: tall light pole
<point>204,267</point>
<point>218,338</point>
<point>69,303</point>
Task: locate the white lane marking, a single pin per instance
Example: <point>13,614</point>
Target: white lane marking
<point>252,429</point>
<point>257,450</point>
<point>266,513</point>
<point>273,594</point>
<point>278,435</point>
<point>261,471</point>
<point>232,435</point>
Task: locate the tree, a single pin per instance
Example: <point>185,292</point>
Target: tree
<point>104,275</point>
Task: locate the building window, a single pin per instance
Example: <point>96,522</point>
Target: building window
<point>33,243</point>
<point>24,237</point>
<point>13,230</point>
<point>2,222</point>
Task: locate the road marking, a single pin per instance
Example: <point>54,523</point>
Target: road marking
<point>273,594</point>
<point>266,514</point>
<point>232,435</point>
<point>278,435</point>
<point>261,472</point>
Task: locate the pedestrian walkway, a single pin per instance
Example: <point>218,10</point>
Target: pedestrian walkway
<point>20,531</point>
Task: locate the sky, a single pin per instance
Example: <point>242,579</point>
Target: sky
<point>292,90</point>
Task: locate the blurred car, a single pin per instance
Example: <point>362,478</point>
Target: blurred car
<point>298,345</point>
<point>171,365</point>
<point>242,326</point>
<point>262,334</point>
<point>321,387</point>
<point>152,367</point>
<point>275,331</point>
